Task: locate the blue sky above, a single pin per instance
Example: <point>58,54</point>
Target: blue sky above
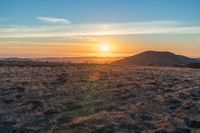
<point>88,11</point>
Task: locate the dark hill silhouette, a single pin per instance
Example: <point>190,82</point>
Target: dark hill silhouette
<point>193,65</point>
<point>156,58</point>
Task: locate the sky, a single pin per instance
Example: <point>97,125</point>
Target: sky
<point>77,28</point>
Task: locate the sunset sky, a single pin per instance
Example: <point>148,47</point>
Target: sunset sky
<point>79,28</point>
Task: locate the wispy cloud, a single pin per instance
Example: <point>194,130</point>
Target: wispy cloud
<point>95,29</point>
<point>54,20</point>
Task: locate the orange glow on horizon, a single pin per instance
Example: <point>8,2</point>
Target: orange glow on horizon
<point>100,47</point>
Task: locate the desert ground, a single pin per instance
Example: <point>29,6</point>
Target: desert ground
<point>89,98</point>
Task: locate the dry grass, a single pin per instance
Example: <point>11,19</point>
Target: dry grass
<point>86,98</point>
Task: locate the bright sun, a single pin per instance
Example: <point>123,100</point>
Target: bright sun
<point>105,47</point>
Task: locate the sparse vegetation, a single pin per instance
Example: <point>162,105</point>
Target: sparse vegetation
<point>90,98</point>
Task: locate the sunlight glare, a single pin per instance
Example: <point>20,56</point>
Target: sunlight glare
<point>105,47</point>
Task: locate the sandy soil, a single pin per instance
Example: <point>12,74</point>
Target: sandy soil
<point>99,99</point>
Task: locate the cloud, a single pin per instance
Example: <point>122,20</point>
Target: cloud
<point>54,20</point>
<point>198,40</point>
<point>98,29</point>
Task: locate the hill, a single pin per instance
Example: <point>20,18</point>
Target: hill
<point>156,58</point>
<point>193,65</point>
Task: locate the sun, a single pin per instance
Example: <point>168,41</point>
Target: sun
<point>105,47</point>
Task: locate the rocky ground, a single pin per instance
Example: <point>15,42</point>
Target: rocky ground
<point>84,98</point>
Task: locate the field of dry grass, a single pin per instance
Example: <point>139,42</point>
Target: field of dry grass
<point>84,98</point>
